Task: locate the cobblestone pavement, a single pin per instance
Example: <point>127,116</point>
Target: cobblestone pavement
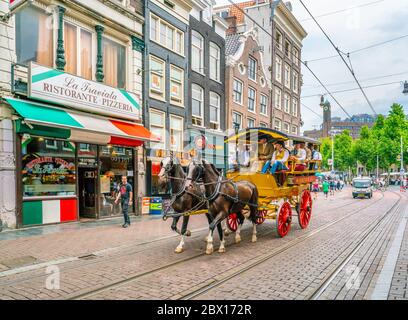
<point>108,262</point>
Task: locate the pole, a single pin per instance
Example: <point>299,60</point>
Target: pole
<point>377,167</point>
<point>402,155</point>
<point>333,153</point>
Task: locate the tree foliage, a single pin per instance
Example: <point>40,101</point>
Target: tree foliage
<point>382,140</point>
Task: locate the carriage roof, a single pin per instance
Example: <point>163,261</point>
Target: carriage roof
<point>261,132</point>
<point>270,134</point>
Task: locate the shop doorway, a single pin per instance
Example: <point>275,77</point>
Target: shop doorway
<point>87,187</point>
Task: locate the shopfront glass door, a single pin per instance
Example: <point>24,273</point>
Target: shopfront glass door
<point>87,187</point>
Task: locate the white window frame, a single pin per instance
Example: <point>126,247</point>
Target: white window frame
<point>153,92</point>
<point>217,58</point>
<point>288,52</point>
<point>240,115</point>
<point>295,132</point>
<point>295,81</point>
<point>218,107</point>
<point>296,59</point>
<point>249,119</point>
<point>263,125</point>
<point>163,116</point>
<point>278,68</point>
<point>79,28</point>
<point>255,64</point>
<point>178,102</point>
<point>279,40</point>
<point>288,125</point>
<point>200,56</point>
<point>286,103</point>
<point>266,104</point>
<point>241,93</point>
<point>250,89</point>
<point>287,76</point>
<point>174,29</point>
<point>277,125</point>
<point>194,116</point>
<point>295,107</point>
<point>181,130</point>
<point>278,101</point>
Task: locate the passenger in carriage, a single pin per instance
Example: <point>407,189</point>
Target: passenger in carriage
<point>300,156</point>
<point>279,159</point>
<point>316,156</point>
<point>265,151</point>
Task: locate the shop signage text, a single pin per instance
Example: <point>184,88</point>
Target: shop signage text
<point>69,90</point>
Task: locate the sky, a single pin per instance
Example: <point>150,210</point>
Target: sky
<point>351,29</point>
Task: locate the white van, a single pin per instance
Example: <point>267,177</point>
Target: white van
<point>362,187</point>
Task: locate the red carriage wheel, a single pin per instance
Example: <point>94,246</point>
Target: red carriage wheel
<point>260,218</point>
<point>232,222</point>
<point>304,209</point>
<point>284,219</point>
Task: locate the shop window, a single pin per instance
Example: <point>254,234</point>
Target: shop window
<point>176,133</point>
<point>87,155</point>
<point>114,163</point>
<point>114,63</point>
<point>78,51</point>
<point>47,171</point>
<point>34,37</point>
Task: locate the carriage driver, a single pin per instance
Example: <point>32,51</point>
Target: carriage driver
<point>279,158</point>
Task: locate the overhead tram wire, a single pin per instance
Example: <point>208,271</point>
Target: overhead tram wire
<point>343,10</point>
<point>341,56</point>
<point>311,110</point>
<point>354,89</point>
<point>304,63</point>
<point>363,80</point>
<point>361,49</point>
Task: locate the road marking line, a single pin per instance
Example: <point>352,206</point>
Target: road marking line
<point>384,281</point>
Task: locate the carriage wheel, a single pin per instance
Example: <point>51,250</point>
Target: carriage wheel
<point>284,219</point>
<point>232,222</point>
<point>260,218</point>
<point>305,209</point>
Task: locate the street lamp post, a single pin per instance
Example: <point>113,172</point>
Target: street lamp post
<point>332,136</point>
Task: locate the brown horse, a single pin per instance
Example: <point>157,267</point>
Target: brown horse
<point>224,197</point>
<point>184,199</point>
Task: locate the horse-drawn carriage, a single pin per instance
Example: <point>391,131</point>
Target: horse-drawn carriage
<point>244,191</point>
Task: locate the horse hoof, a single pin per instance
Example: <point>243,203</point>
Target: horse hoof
<point>254,239</point>
<point>188,233</point>
<point>221,250</point>
<point>178,250</point>
<point>238,239</point>
<point>227,232</point>
<point>205,239</point>
<point>209,250</point>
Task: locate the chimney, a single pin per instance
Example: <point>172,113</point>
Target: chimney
<point>232,24</point>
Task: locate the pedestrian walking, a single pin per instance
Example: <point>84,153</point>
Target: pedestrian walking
<point>332,185</point>
<point>125,195</point>
<point>338,185</point>
<point>315,189</point>
<point>325,187</point>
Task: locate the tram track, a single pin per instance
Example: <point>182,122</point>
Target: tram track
<point>218,280</point>
<point>98,258</point>
<point>316,293</point>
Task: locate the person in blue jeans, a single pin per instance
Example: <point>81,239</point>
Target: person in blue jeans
<point>125,195</point>
<point>279,158</point>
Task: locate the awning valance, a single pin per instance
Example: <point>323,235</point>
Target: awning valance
<point>82,127</point>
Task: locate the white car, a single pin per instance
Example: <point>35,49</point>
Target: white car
<point>362,187</point>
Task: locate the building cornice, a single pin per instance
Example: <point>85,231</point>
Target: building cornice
<point>292,19</point>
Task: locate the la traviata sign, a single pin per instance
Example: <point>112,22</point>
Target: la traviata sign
<point>65,89</point>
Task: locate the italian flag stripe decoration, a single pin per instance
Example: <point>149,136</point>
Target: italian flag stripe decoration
<point>49,211</point>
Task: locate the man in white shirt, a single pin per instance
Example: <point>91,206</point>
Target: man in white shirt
<point>300,157</point>
<point>279,158</point>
